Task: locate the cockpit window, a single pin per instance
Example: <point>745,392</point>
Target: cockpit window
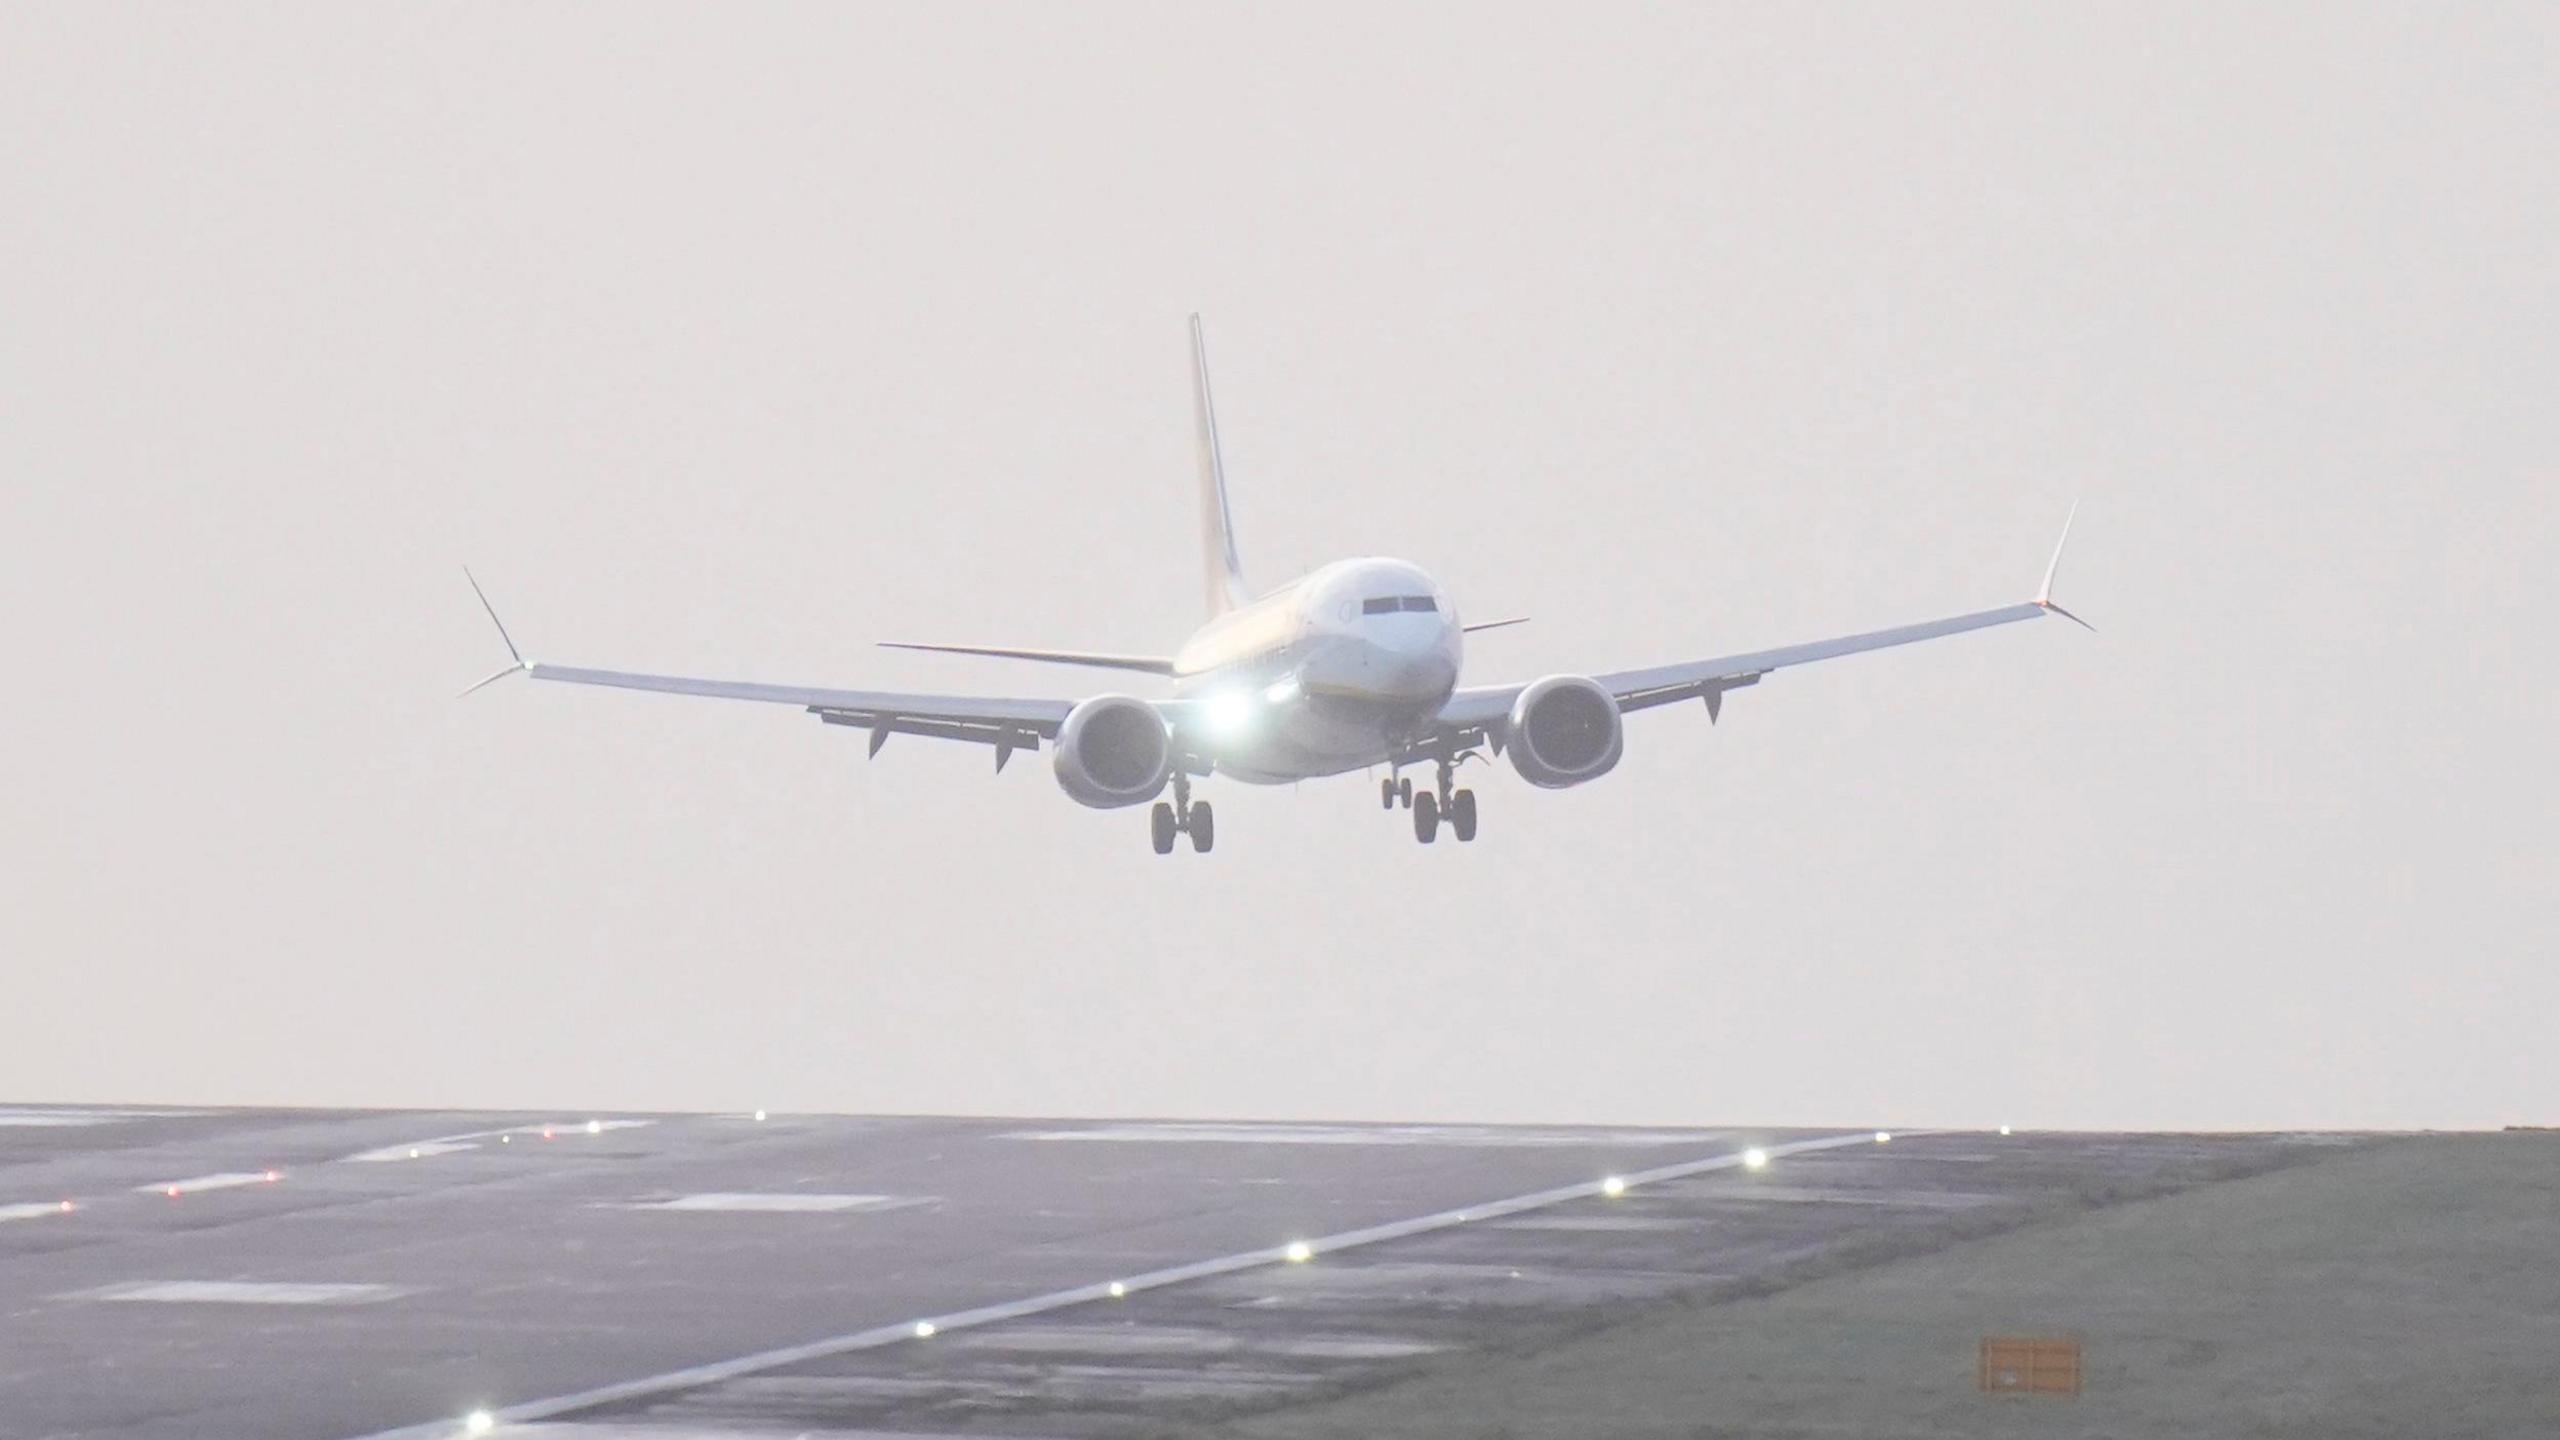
<point>1419,602</point>
<point>1381,605</point>
<point>1389,604</point>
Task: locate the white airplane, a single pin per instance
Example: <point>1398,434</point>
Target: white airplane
<point>1350,667</point>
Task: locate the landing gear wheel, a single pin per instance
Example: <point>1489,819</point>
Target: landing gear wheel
<point>1160,828</point>
<point>1404,791</point>
<point>1204,828</point>
<point>1426,817</point>
<point>1387,794</point>
<point>1462,815</point>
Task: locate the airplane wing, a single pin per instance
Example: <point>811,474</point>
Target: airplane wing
<point>1477,713</point>
<point>1008,725</point>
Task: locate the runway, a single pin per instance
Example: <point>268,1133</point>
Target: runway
<point>330,1275</point>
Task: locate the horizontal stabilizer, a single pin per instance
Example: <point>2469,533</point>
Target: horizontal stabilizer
<point>1149,664</point>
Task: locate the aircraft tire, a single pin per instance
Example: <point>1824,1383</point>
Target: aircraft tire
<point>1426,817</point>
<point>1204,827</point>
<point>1462,815</point>
<point>1160,828</point>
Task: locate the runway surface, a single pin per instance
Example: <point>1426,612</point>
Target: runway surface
<point>330,1275</point>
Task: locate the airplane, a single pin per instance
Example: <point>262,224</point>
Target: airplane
<point>1352,666</point>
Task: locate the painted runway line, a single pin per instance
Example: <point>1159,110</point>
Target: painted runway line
<point>1476,1137</point>
<point>922,1329</point>
<point>244,1292</point>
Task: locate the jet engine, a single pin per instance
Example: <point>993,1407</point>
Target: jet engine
<point>1564,730</point>
<point>1112,751</point>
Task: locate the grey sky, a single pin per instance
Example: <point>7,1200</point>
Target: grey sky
<point>727,340</point>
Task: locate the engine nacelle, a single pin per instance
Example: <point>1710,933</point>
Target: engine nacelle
<point>1563,731</point>
<point>1112,751</point>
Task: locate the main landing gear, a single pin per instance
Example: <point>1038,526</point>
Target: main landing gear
<point>1181,817</point>
<point>1432,807</point>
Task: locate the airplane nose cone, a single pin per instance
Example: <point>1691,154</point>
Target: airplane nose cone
<point>1377,674</point>
<point>1417,677</point>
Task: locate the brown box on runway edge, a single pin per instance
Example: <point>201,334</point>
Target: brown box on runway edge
<point>2029,1365</point>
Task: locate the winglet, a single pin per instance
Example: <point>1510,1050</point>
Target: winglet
<point>2044,595</point>
<point>513,654</point>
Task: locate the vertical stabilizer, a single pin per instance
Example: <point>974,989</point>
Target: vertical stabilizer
<point>1217,523</point>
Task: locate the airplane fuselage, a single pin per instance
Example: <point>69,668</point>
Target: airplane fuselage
<point>1334,671</point>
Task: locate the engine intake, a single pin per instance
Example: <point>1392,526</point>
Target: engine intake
<point>1112,751</point>
<point>1563,731</point>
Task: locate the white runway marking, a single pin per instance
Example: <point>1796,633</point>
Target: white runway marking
<point>46,1117</point>
<point>1472,1136</point>
<point>909,1331</point>
<point>557,1132</point>
<point>228,1180</point>
<point>778,1202</point>
<point>244,1292</point>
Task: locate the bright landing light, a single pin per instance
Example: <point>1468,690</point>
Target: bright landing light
<point>924,1329</point>
<point>1613,1187</point>
<point>1755,1158</point>
<point>1227,713</point>
<point>479,1422</point>
<point>1118,1290</point>
<point>1883,1136</point>
<point>1300,1252</point>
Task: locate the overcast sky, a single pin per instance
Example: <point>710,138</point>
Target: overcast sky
<point>728,340</point>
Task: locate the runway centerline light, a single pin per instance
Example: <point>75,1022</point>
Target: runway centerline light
<point>1300,1252</point>
<point>1755,1158</point>
<point>924,1329</point>
<point>479,1422</point>
<point>1613,1187</point>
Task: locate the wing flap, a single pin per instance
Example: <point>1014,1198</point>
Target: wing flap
<point>859,707</point>
<point>1091,659</point>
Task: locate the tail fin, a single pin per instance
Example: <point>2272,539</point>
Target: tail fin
<point>1217,525</point>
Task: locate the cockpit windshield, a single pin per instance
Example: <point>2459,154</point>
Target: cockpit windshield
<point>1389,604</point>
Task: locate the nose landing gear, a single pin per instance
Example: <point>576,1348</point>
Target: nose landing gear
<point>1181,817</point>
<point>1446,802</point>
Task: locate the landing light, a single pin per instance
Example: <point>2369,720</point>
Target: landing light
<point>1613,1187</point>
<point>759,1116</point>
<point>1755,1158</point>
<point>1118,1290</point>
<point>1300,1252</point>
<point>2004,1129</point>
<point>68,1207</point>
<point>479,1422</point>
<point>1282,691</point>
<point>595,1127</point>
<point>1227,713</point>
<point>924,1329</point>
<point>1884,1137</point>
